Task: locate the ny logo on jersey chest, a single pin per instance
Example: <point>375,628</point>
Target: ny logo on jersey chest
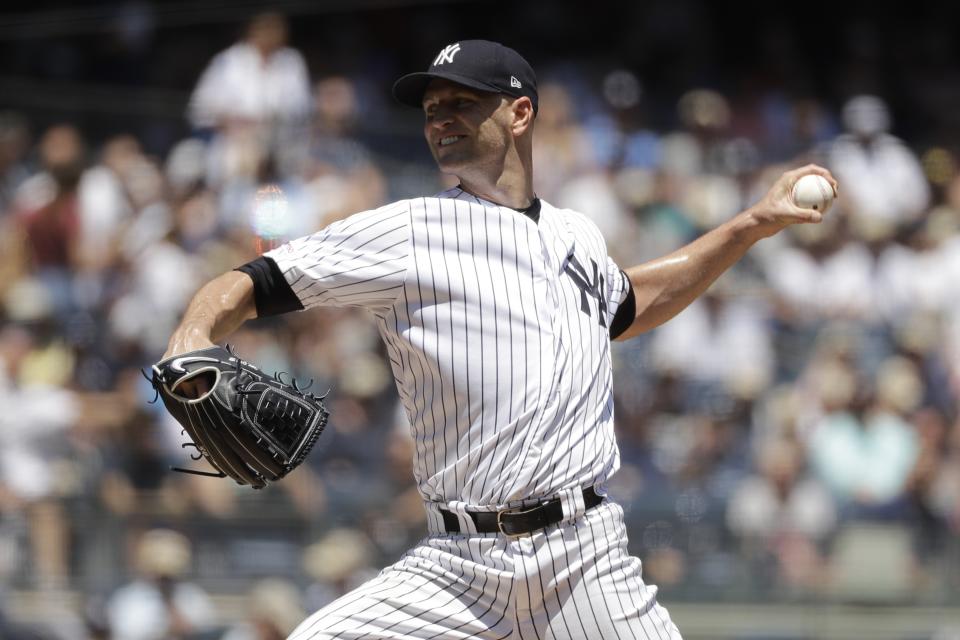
<point>593,287</point>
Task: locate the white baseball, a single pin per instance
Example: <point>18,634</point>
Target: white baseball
<point>813,192</point>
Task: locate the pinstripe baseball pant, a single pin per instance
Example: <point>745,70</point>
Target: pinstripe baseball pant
<point>572,580</point>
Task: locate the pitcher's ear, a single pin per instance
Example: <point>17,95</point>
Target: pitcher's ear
<point>522,114</point>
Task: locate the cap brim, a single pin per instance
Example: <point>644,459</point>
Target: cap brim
<point>410,88</point>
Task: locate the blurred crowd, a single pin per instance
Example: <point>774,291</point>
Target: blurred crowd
<point>798,418</point>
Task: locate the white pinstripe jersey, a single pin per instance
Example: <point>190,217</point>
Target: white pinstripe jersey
<point>497,331</point>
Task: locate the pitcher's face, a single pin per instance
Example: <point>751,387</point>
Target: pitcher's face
<point>465,128</point>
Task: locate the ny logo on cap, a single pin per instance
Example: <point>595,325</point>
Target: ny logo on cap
<point>446,55</point>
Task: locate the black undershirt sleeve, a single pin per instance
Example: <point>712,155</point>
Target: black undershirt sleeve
<point>271,292</point>
<point>625,314</point>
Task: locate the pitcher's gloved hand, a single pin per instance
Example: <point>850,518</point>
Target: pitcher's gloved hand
<point>249,426</point>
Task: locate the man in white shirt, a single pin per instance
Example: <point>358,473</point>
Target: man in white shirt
<point>256,97</point>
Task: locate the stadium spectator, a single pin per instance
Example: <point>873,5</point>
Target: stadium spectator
<point>783,517</point>
<point>337,563</point>
<point>781,498</point>
<point>722,340</point>
<point>160,603</point>
<point>48,209</point>
<point>255,98</point>
<point>273,611</point>
<point>862,448</point>
<point>33,445</point>
<point>882,177</point>
<point>339,174</point>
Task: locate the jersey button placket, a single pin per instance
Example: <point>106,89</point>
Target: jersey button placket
<point>554,265</point>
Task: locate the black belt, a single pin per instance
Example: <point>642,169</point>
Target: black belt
<point>519,521</point>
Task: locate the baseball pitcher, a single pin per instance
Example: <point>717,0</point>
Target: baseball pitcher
<point>497,310</point>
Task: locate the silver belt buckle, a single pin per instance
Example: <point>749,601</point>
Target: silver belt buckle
<point>516,510</point>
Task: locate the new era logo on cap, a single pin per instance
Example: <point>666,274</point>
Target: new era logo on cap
<point>478,64</point>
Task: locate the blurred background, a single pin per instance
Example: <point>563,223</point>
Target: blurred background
<point>790,443</point>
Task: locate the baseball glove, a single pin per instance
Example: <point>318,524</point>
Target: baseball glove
<point>249,426</point>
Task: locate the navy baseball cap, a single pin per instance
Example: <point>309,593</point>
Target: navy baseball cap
<point>478,64</point>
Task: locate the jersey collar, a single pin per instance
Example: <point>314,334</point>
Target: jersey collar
<point>532,212</point>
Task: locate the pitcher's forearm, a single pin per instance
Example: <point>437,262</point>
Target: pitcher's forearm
<point>666,286</point>
<point>663,288</point>
<point>215,311</point>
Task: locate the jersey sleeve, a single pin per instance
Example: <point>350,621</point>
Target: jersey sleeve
<point>360,261</point>
<point>621,307</point>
